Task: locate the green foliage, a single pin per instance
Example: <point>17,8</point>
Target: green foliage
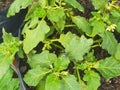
<point>109,42</point>
<point>109,67</point>
<point>82,24</point>
<point>59,45</point>
<point>93,80</point>
<point>57,17</point>
<point>34,75</point>
<point>17,5</point>
<point>39,34</point>
<point>75,4</point>
<point>69,83</point>
<point>76,47</point>
<point>44,59</point>
<point>7,51</point>
<point>100,4</point>
<point>7,82</point>
<point>52,82</point>
<point>117,53</point>
<point>98,27</point>
<point>62,63</point>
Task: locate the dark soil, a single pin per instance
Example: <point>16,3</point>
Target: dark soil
<point>112,84</point>
<point>4,3</point>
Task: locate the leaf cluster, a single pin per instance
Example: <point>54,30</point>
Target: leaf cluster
<point>59,45</point>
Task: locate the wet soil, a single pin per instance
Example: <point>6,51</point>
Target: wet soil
<point>112,84</point>
<point>4,3</point>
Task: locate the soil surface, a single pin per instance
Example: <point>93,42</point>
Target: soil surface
<point>4,3</point>
<point>112,84</point>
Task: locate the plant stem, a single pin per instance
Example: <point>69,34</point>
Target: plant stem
<point>72,25</point>
<point>57,46</point>
<point>83,86</point>
<point>54,40</point>
<point>97,45</point>
<point>78,75</point>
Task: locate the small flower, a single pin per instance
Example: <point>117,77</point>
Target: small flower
<point>111,27</point>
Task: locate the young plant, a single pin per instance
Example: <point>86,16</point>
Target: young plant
<point>60,45</point>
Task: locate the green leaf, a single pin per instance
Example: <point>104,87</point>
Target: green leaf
<point>9,83</point>
<point>33,37</point>
<point>82,24</point>
<point>118,27</point>
<point>116,21</point>
<point>7,51</point>
<point>69,83</point>
<point>32,11</point>
<point>109,67</point>
<point>20,53</point>
<point>64,85</point>
<point>65,39</point>
<point>75,4</point>
<point>3,68</point>
<point>4,81</point>
<point>99,4</point>
<point>90,57</point>
<point>105,17</point>
<point>52,2</point>
<point>43,3</point>
<point>76,47</point>
<point>109,42</point>
<point>14,84</point>
<point>57,17</point>
<point>52,82</point>
<point>17,5</point>
<point>98,27</point>
<point>61,63</point>
<point>8,38</point>
<point>117,53</point>
<point>41,85</point>
<point>33,76</point>
<point>115,13</point>
<point>10,45</point>
<point>93,80</point>
<point>55,14</point>
<point>4,65</point>
<point>39,12</point>
<point>44,59</point>
<point>82,66</point>
<point>52,29</point>
<point>60,25</point>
